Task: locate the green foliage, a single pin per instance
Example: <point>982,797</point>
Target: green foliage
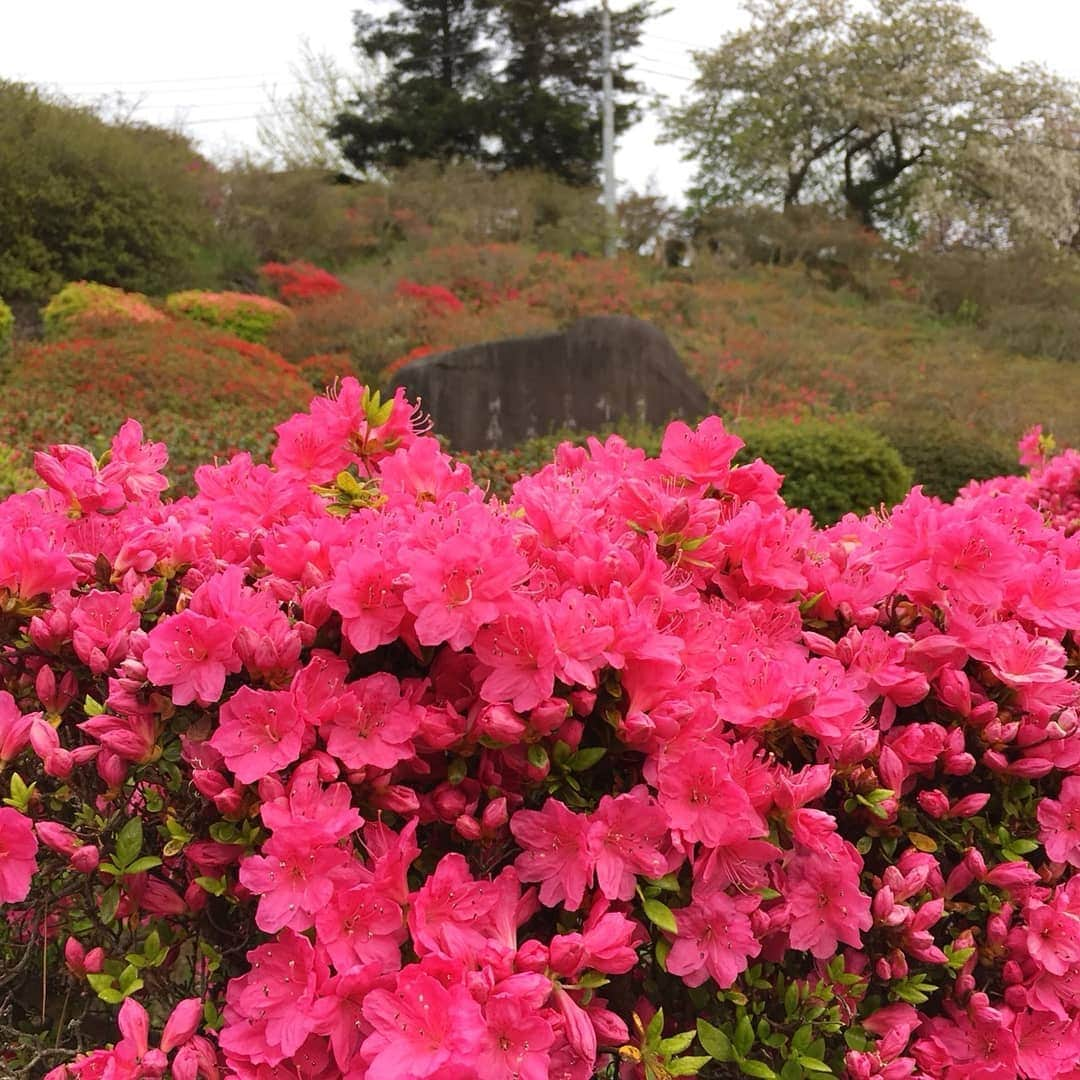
<point>1025,299</point>
<point>7,328</point>
<point>431,103</point>
<point>82,306</point>
<point>546,101</point>
<point>942,454</point>
<point>510,83</point>
<point>80,198</point>
<point>204,393</point>
<point>285,215</point>
<point>250,317</point>
<point>830,468</point>
<point>887,109</point>
<point>15,476</point>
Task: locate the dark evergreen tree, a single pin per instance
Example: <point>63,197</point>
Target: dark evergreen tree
<point>515,84</point>
<point>433,103</point>
<point>547,95</point>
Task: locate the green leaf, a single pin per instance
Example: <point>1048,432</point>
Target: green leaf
<point>129,843</point>
<point>224,832</point>
<point>801,1039</point>
<point>656,1026</point>
<point>139,866</point>
<point>922,842</point>
<point>744,1036</point>
<point>687,1066</point>
<point>110,900</point>
<point>716,1044</point>
<point>676,1044</point>
<point>659,914</point>
<point>91,707</point>
<point>812,1064</point>
<point>100,981</point>
<point>585,759</point>
<point>214,886</point>
<point>757,1068</point>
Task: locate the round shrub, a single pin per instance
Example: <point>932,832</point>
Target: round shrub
<point>942,454</point>
<point>335,769</point>
<point>207,393</point>
<point>86,306</point>
<point>246,315</point>
<point>831,468</point>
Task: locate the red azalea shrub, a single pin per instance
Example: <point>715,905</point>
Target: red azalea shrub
<point>335,769</point>
<point>300,282</point>
<point>246,315</point>
<point>207,393</point>
<point>436,299</point>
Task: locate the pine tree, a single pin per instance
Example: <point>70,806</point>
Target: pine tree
<point>432,103</point>
<point>547,95</point>
<point>513,84</point>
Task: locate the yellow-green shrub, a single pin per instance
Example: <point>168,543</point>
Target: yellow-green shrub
<point>246,315</point>
<point>85,305</point>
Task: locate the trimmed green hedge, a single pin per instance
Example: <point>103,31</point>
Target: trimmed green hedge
<point>944,455</point>
<point>830,467</point>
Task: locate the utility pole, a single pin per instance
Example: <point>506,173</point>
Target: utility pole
<point>609,140</point>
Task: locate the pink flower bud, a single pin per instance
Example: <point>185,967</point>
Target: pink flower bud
<point>969,804</point>
<point>495,814</point>
<point>134,1025</point>
<point>882,969</point>
<point>86,859</point>
<point>568,954</point>
<point>934,802</point>
<point>195,896</point>
<point>57,837</point>
<point>532,956</point>
<point>183,1022</point>
<point>468,827</point>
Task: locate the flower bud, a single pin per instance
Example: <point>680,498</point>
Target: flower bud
<point>183,1022</point>
<point>86,859</point>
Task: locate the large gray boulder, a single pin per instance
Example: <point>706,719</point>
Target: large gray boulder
<point>601,369</point>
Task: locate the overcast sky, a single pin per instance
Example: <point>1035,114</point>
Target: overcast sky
<point>210,65</point>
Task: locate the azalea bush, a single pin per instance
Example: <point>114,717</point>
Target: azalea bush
<point>335,769</point>
<point>246,315</point>
<point>207,393</point>
<point>300,282</point>
<point>82,307</point>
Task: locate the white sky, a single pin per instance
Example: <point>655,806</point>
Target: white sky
<point>210,65</point>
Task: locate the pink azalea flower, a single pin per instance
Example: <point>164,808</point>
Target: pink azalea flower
<point>519,649</point>
<point>18,855</point>
<point>821,889</point>
<point>630,829</point>
<point>365,593</point>
<point>702,801</point>
<point>715,938</point>
<point>192,654</point>
<point>420,1028</point>
<point>518,1040</point>
<point>559,850</point>
<point>1059,822</point>
<point>259,732</point>
<point>293,876</point>
<point>372,724</point>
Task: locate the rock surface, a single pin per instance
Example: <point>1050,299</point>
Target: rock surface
<point>601,369</point>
